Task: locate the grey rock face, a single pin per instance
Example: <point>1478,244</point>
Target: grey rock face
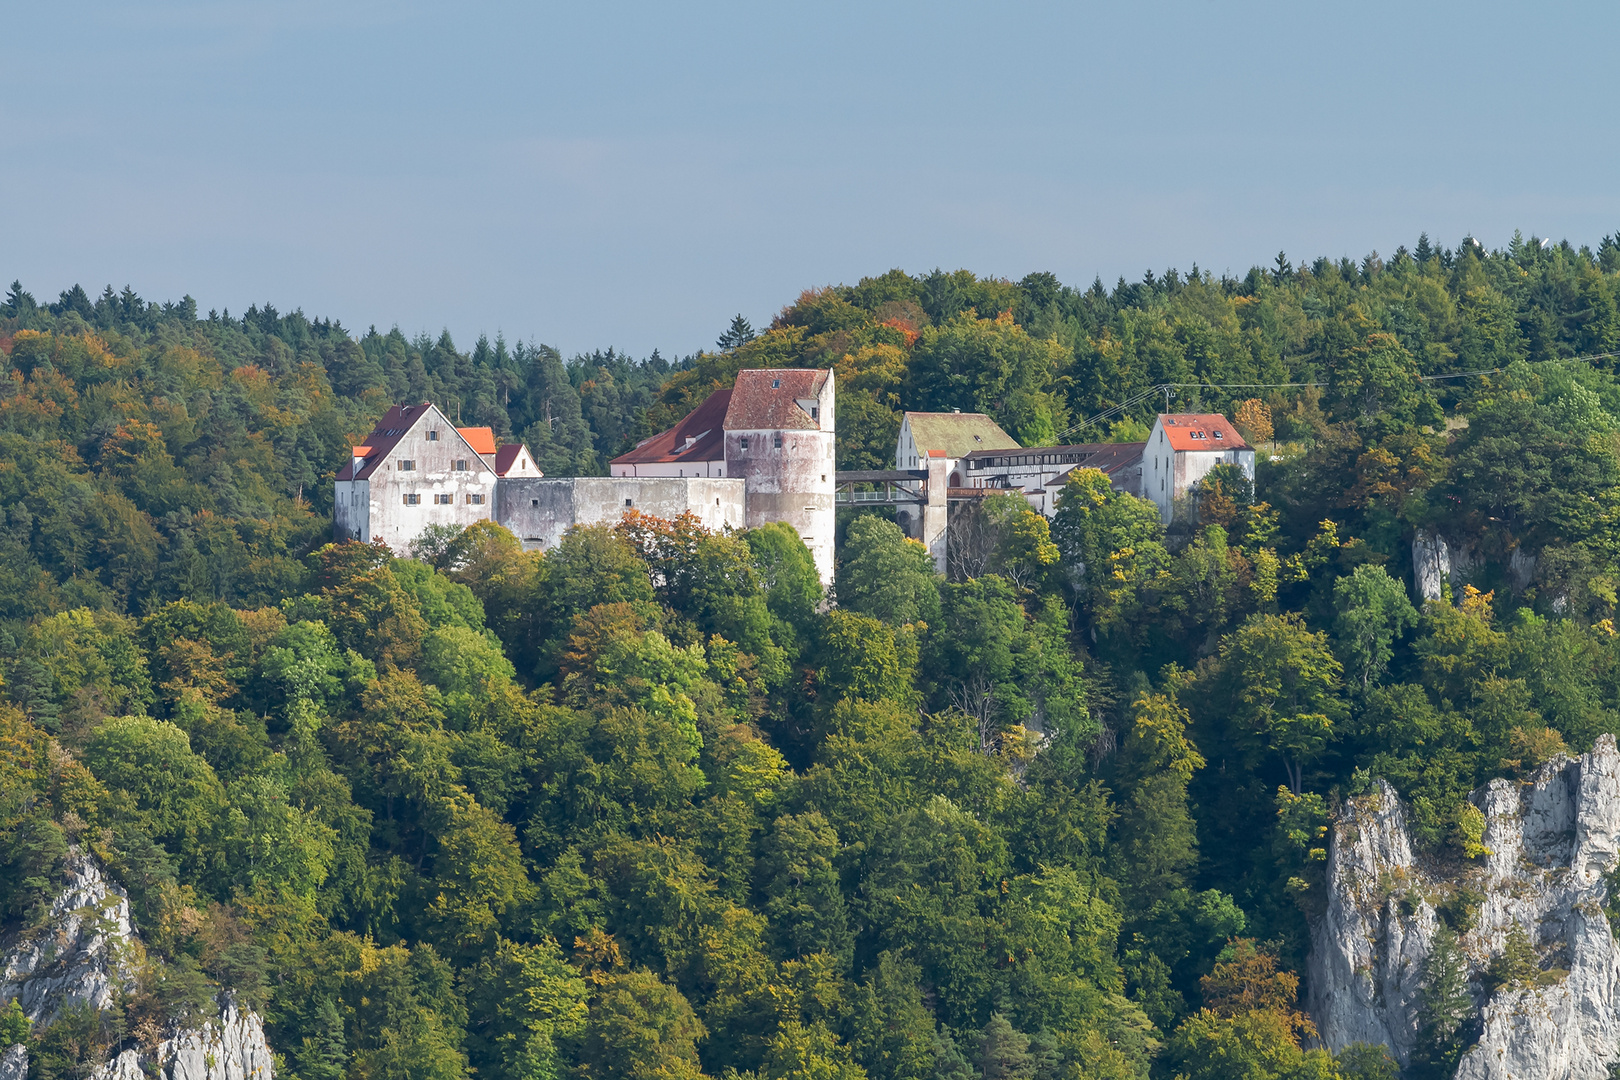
<point>1550,844</point>
<point>87,950</point>
<point>231,1049</point>
<point>1431,564</point>
<point>79,954</point>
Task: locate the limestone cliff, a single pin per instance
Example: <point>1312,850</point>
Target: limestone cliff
<point>1550,844</point>
<point>85,949</point>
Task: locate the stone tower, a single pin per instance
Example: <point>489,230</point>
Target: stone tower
<point>780,440</point>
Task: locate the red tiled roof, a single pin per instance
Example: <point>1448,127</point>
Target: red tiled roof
<point>767,399</point>
<point>506,455</point>
<point>704,424</point>
<point>1201,431</point>
<point>481,439</point>
<point>394,423</point>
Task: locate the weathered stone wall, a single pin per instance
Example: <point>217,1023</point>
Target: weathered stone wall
<point>539,511</point>
<point>1551,843</point>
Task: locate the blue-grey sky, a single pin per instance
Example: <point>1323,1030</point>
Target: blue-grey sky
<point>632,174</point>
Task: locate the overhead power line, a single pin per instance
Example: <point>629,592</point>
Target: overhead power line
<point>1165,388</point>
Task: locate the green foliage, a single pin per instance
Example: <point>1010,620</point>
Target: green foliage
<point>885,575</point>
<point>1446,1007</point>
<point>650,805</point>
<point>14,1024</point>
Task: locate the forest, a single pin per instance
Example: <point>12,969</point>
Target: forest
<point>649,806</point>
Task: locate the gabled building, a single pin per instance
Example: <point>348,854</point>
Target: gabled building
<point>1181,450</point>
<point>952,436</point>
<point>1040,472</point>
<point>774,431</point>
<point>416,469</point>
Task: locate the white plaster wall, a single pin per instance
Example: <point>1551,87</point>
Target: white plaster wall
<point>351,510</point>
<point>539,511</point>
<point>713,469</point>
<point>397,524</point>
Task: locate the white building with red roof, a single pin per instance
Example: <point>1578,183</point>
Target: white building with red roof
<point>1181,451</point>
<point>416,469</point>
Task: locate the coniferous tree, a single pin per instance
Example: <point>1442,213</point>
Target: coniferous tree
<point>738,333</point>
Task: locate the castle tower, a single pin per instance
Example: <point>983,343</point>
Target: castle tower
<point>780,440</point>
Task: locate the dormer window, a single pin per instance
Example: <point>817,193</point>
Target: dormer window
<point>1218,435</point>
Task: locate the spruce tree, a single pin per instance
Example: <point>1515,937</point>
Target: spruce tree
<point>1447,1007</point>
<point>739,333</point>
<point>1004,1052</point>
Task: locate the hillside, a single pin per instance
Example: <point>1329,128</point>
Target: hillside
<point>643,807</point>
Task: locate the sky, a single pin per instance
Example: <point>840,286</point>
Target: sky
<point>632,175</point>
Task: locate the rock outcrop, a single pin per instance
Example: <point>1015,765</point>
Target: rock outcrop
<point>1551,845</point>
<point>86,950</point>
<point>231,1049</point>
<point>79,953</point>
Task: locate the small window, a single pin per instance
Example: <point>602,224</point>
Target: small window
<point>523,463</point>
<point>815,413</point>
<point>413,499</point>
<point>777,442</point>
<point>461,464</point>
<point>433,436</point>
<point>776,384</point>
<point>742,443</point>
<point>1218,435</point>
<point>444,500</point>
<point>534,502</point>
<point>407,464</point>
<point>475,500</point>
<point>629,502</point>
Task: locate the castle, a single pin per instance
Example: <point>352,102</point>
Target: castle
<point>764,450</point>
<point>759,452</point>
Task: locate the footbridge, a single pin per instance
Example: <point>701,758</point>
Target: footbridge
<point>920,497</point>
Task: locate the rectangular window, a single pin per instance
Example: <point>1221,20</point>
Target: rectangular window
<point>628,502</point>
<point>444,500</point>
<point>461,464</point>
<point>433,436</point>
<point>475,500</point>
<point>412,499</point>
<point>742,444</point>
<point>815,413</point>
<point>407,464</point>
<point>776,441</point>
